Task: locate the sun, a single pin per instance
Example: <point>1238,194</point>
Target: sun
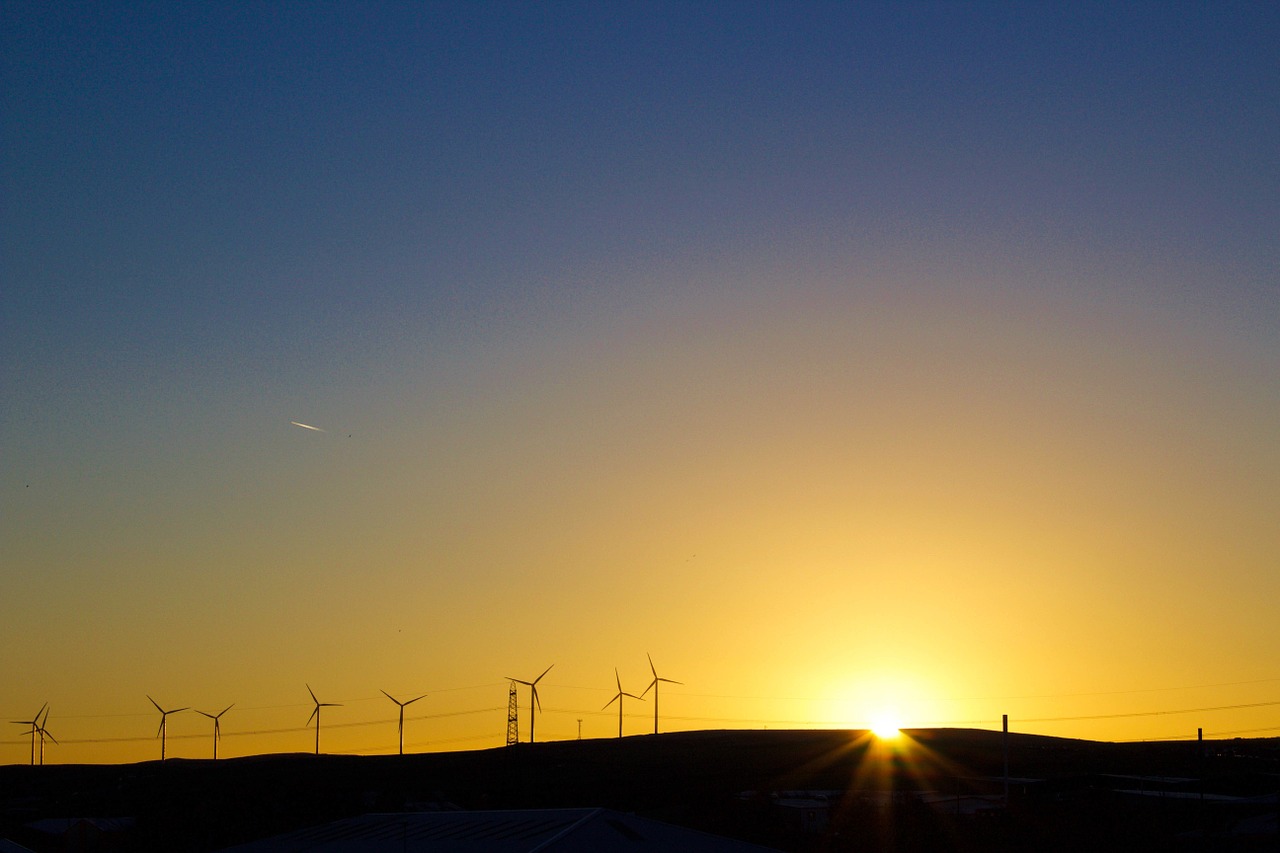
<point>886,727</point>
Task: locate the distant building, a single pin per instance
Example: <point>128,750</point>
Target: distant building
<point>85,833</point>
<point>523,831</point>
<point>808,811</point>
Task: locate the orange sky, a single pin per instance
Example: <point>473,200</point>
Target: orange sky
<point>945,532</point>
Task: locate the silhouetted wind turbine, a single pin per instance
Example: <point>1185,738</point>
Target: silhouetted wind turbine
<point>315,715</point>
<point>533,698</point>
<point>402,707</point>
<point>618,699</point>
<point>44,733</point>
<point>164,718</point>
<point>653,685</point>
<point>217,726</point>
<point>34,722</point>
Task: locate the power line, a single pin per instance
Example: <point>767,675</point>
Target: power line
<point>1149,713</point>
<point>1111,692</point>
<point>986,698</point>
<point>741,721</point>
<point>493,684</point>
<point>841,724</point>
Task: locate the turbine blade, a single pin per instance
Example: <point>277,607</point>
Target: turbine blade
<point>544,672</point>
<point>411,701</point>
<point>44,733</point>
<point>226,709</point>
<point>315,712</point>
<point>652,684</point>
<point>206,714</point>
<point>617,698</point>
<point>157,704</point>
<point>313,695</point>
<point>651,669</point>
<point>389,696</point>
<point>669,681</point>
<point>535,696</point>
<point>617,679</point>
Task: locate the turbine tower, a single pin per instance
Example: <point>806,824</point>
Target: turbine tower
<point>217,726</point>
<point>34,722</point>
<point>402,707</point>
<point>164,718</point>
<point>533,698</point>
<point>315,714</point>
<point>653,685</point>
<point>618,699</point>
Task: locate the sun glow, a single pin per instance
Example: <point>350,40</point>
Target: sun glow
<point>883,700</point>
<point>886,727</point>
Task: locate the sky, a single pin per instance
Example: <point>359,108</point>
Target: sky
<point>916,361</point>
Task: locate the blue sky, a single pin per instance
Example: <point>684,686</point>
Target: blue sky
<point>227,174</point>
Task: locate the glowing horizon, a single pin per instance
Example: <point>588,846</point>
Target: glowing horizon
<point>370,728</point>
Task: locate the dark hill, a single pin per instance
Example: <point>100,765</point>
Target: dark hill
<point>1066,794</point>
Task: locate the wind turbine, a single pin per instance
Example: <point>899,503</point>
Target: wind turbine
<point>34,722</point>
<point>653,685</point>
<point>533,698</point>
<point>217,726</point>
<point>402,707</point>
<point>315,715</point>
<point>164,718</point>
<point>618,699</point>
<point>44,733</point>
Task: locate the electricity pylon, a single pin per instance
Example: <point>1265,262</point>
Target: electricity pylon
<point>513,717</point>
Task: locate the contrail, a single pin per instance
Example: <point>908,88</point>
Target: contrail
<point>306,426</point>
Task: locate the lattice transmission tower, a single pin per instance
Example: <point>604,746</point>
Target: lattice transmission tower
<point>513,717</point>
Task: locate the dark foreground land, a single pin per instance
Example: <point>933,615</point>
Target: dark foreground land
<point>793,790</point>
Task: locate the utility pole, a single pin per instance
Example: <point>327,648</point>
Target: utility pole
<point>1200,761</point>
<point>1006,760</point>
<point>513,717</point>
<point>579,728</point>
